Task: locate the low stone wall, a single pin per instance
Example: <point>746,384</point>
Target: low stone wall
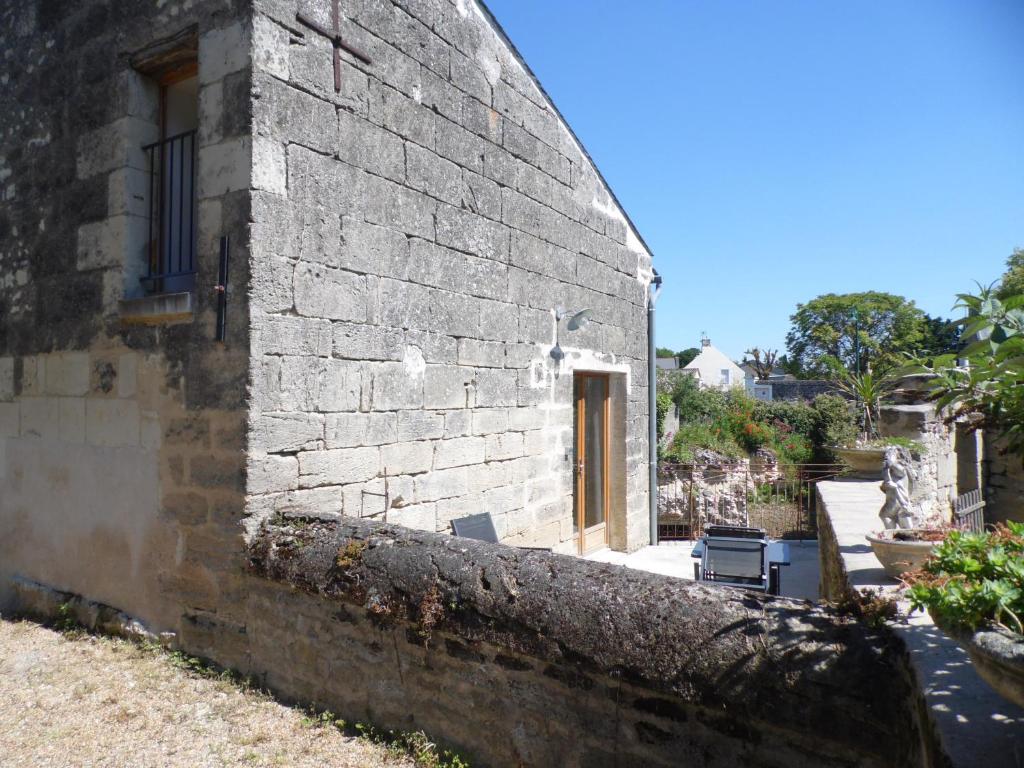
<point>833,580</point>
<point>527,658</point>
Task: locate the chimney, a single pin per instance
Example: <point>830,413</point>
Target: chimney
<point>705,341</point>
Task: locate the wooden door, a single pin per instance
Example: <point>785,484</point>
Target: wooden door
<point>591,393</point>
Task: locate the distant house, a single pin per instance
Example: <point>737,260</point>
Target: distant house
<point>667,363</point>
<point>713,368</point>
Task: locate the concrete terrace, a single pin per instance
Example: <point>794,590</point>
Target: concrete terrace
<point>799,579</point>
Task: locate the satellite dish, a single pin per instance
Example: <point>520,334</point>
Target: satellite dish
<point>579,320</point>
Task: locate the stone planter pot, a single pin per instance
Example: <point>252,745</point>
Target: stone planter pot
<point>865,463</point>
<point>898,557</point>
<point>997,655</point>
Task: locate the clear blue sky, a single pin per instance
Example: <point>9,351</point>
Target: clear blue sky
<point>769,152</point>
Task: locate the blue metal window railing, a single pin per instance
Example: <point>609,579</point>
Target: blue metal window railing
<point>172,214</point>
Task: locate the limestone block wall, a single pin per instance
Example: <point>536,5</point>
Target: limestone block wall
<point>1004,483</point>
<point>936,484</point>
<point>412,237</point>
<point>121,444</point>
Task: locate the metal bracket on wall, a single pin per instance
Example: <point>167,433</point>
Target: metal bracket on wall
<point>334,35</point>
<point>222,291</point>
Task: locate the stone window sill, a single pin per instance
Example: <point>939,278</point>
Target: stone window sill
<point>159,309</point>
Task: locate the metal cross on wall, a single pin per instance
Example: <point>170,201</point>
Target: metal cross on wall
<point>334,36</point>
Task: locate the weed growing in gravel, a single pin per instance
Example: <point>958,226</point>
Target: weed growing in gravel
<point>414,744</point>
<point>66,623</point>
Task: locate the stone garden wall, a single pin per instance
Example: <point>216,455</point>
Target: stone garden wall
<point>530,658</point>
<point>1004,483</point>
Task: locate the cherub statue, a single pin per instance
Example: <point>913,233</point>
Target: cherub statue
<point>897,477</point>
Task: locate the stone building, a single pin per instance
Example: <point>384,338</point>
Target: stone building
<point>251,273</point>
<point>262,286</point>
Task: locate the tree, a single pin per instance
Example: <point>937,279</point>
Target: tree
<point>763,362</point>
<point>1012,282</point>
<point>687,355</point>
<point>941,336</point>
<point>842,331</point>
<point>664,352</point>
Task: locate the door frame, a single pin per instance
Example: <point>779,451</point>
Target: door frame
<point>580,472</point>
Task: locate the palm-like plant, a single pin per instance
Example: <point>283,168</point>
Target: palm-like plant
<point>868,389</point>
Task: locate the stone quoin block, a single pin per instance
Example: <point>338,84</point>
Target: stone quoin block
<point>281,432</point>
<point>223,51</point>
<point>268,473</point>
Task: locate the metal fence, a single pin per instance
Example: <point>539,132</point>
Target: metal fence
<point>172,213</point>
<point>780,498</point>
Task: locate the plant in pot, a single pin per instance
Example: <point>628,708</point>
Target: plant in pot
<point>869,390</point>
<point>973,587</point>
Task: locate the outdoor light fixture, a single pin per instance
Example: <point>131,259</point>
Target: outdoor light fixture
<point>579,320</point>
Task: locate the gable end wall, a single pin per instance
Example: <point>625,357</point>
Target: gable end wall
<point>412,236</point>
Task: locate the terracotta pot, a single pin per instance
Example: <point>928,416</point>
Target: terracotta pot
<point>865,463</point>
<point>898,557</point>
<point>997,655</point>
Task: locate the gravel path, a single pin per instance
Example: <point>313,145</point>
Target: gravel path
<point>93,701</point>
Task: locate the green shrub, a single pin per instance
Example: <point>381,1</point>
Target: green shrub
<point>696,404</point>
<point>799,415</point>
<point>794,449</point>
<point>727,422</point>
<point>664,402</point>
<point>692,437</point>
<point>835,424</point>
